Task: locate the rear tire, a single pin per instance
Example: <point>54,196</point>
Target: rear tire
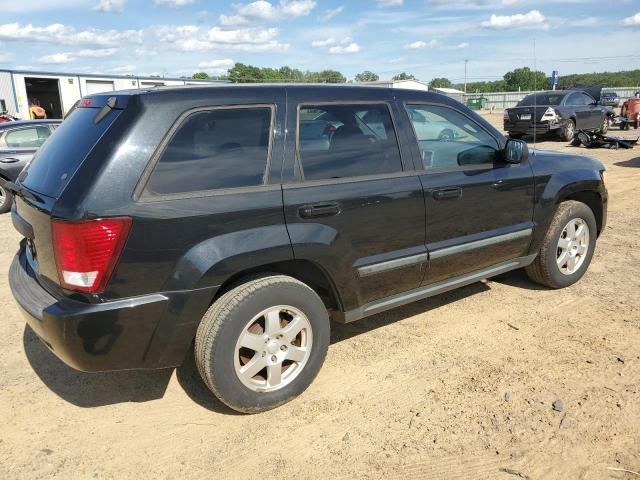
<point>564,256</point>
<point>6,200</point>
<point>568,131</point>
<point>236,338</point>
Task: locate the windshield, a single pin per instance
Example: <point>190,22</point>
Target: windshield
<point>541,99</point>
<point>60,156</point>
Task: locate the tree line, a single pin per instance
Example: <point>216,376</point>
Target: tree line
<point>515,80</point>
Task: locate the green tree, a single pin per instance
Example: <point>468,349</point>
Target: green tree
<point>325,76</point>
<point>525,79</point>
<point>404,76</point>
<point>201,76</point>
<point>440,82</point>
<point>366,76</point>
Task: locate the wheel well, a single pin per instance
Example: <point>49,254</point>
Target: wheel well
<point>303,270</point>
<point>593,201</point>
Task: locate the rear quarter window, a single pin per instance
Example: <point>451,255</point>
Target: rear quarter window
<point>60,156</point>
<point>215,149</point>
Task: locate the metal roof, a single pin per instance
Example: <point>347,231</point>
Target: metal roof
<point>106,75</point>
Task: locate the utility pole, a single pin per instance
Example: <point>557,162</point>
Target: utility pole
<point>465,75</point>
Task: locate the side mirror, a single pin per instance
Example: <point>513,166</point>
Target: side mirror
<point>516,151</point>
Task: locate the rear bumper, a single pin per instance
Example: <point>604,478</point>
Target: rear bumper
<point>527,128</point>
<point>151,331</point>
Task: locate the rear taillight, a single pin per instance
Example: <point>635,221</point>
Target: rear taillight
<point>549,115</point>
<point>505,115</point>
<point>86,252</point>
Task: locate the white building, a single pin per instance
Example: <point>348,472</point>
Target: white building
<point>451,92</point>
<point>57,92</point>
<point>409,84</point>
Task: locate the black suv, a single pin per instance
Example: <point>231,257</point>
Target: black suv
<point>237,220</point>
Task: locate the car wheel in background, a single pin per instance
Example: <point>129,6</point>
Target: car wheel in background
<point>604,128</point>
<point>446,135</point>
<point>6,200</point>
<point>568,131</point>
<point>262,343</point>
<point>567,247</point>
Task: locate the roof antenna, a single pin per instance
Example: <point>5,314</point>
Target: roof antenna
<point>535,94</point>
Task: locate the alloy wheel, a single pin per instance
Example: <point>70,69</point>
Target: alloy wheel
<point>273,348</point>
<point>573,246</point>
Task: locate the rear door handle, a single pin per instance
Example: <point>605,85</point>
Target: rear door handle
<point>319,210</point>
<point>447,193</point>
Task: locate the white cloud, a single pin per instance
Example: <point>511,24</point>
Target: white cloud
<point>584,22</point>
<point>353,47</point>
<point>57,58</point>
<point>217,67</point>
<point>68,57</point>
<point>123,69</point>
<point>632,21</point>
<point>332,12</point>
<point>110,6</point>
<point>459,46</point>
<point>262,10</point>
<point>174,3</point>
<point>324,43</point>
<point>39,6</point>
<point>248,39</point>
<point>57,33</point>
<point>389,3</point>
<point>421,44</point>
<point>519,20</point>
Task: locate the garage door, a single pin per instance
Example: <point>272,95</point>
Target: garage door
<point>99,86</point>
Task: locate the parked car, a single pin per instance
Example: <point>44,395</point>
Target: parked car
<point>156,221</point>
<point>559,111</point>
<point>19,140</point>
<point>610,99</point>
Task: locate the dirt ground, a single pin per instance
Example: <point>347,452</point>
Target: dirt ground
<point>457,386</point>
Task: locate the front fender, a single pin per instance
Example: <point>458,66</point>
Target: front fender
<point>213,261</point>
<point>553,188</point>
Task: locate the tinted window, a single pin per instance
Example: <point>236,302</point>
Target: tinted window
<point>586,99</point>
<point>342,140</point>
<point>541,99</point>
<point>448,139</point>
<point>220,148</point>
<point>27,137</point>
<point>55,163</point>
<point>575,99</point>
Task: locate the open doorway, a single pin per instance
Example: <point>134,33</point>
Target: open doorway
<point>44,93</point>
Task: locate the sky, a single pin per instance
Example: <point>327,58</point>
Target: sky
<point>428,38</point>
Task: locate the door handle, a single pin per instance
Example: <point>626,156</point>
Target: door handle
<point>447,193</point>
<point>319,210</point>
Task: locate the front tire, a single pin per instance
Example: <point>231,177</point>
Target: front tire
<point>6,200</point>
<point>604,128</point>
<point>262,343</point>
<point>567,247</point>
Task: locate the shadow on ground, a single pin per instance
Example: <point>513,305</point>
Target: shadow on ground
<point>99,389</point>
<point>634,162</point>
<point>92,389</point>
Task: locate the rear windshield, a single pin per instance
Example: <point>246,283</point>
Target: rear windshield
<point>541,99</point>
<point>57,160</point>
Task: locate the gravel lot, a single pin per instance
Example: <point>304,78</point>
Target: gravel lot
<point>457,386</point>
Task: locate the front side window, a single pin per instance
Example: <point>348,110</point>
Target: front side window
<point>449,140</point>
<point>575,100</point>
<point>213,149</point>
<point>347,140</point>
<point>27,137</point>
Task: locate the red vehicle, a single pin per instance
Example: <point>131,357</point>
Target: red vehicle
<point>4,114</point>
<point>631,110</point>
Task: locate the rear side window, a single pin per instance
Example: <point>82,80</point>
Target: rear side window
<point>213,149</point>
<point>57,160</point>
<point>32,137</point>
<point>343,140</point>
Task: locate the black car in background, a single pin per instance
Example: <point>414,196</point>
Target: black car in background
<point>560,111</point>
<point>18,142</point>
